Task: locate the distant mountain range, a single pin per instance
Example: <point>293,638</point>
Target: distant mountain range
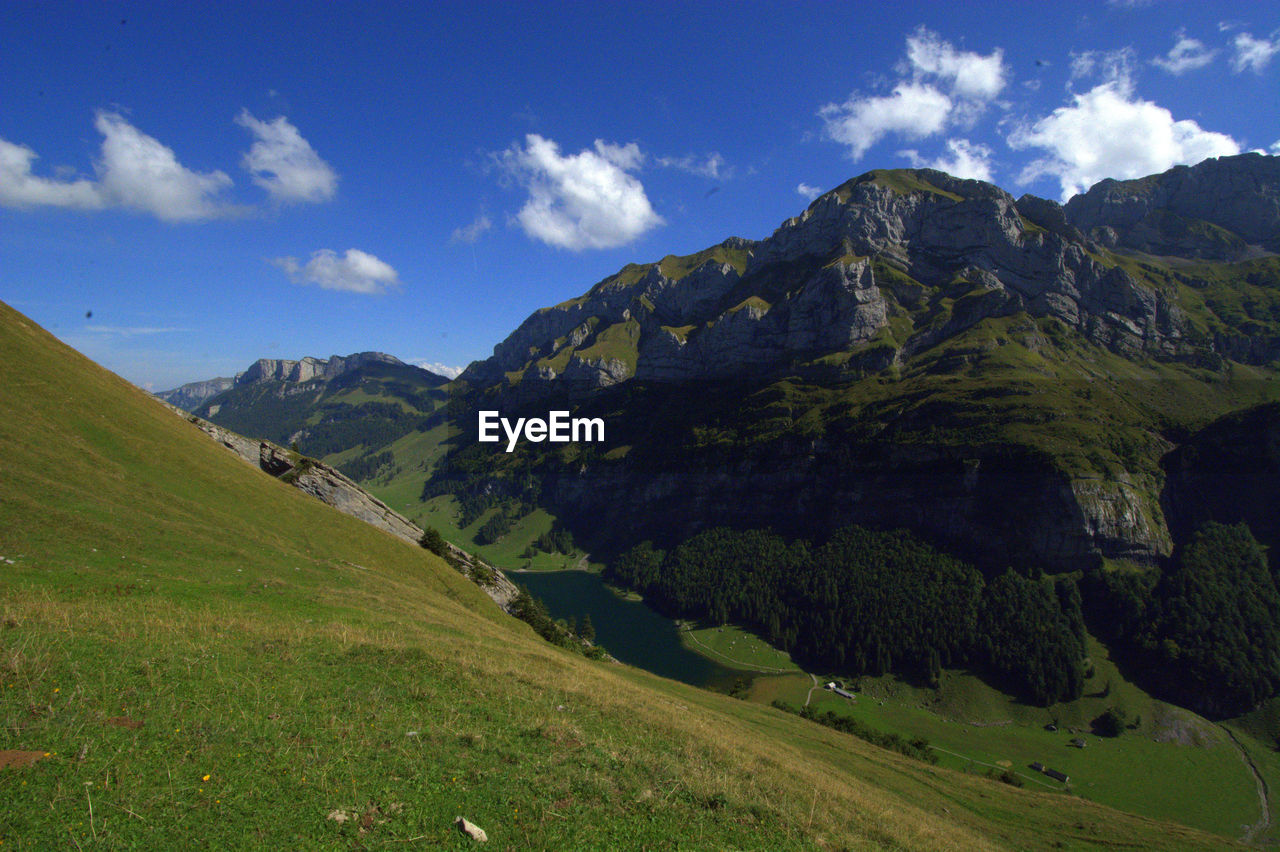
<point>190,396</point>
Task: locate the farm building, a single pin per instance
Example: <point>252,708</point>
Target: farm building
<point>1057,776</point>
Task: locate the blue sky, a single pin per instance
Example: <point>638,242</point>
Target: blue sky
<point>222,182</point>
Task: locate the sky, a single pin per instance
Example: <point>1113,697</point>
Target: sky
<point>188,187</point>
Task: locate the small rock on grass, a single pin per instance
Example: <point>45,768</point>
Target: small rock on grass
<point>470,829</point>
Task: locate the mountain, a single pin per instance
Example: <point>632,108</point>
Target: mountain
<point>188,397</point>
<point>345,410</point>
<point>912,349</point>
<point>1007,380</point>
<point>892,263</point>
<point>202,651</point>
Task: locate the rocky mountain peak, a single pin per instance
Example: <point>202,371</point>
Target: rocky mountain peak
<point>938,252</point>
<point>311,369</point>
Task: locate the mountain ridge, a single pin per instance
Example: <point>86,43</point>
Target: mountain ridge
<point>192,395</point>
<point>891,263</point>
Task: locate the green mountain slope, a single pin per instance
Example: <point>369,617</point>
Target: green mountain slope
<point>197,655</point>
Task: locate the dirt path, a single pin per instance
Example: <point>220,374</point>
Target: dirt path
<point>1264,822</point>
<point>811,689</point>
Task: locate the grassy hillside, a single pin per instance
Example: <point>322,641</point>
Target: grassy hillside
<point>194,654</point>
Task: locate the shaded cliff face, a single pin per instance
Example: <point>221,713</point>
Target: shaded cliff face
<point>997,505</point>
<point>1229,472</point>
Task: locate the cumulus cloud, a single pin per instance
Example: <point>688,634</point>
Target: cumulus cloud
<point>285,164</point>
<point>969,75</point>
<point>354,271</point>
<point>1187,54</point>
<point>964,159</point>
<point>134,171</point>
<point>710,166</point>
<point>20,188</point>
<point>809,192</point>
<point>938,86</point>
<point>1108,132</point>
<point>138,172</point>
<point>583,200</point>
<point>914,110</point>
<point>1254,53</point>
<point>471,233</point>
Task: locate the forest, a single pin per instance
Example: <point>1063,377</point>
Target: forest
<point>872,602</point>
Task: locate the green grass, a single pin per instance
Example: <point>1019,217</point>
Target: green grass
<point>618,342</point>
<point>1201,781</point>
<point>736,647</point>
<point>675,267</point>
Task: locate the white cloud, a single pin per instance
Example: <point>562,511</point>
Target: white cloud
<point>914,110</point>
<point>20,188</point>
<point>285,164</point>
<point>938,86</point>
<point>1108,132</point>
<point>964,159</point>
<point>1275,147</point>
<point>583,200</point>
<point>970,75</point>
<point>449,372</point>
<point>355,271</point>
<point>1254,53</point>
<point>471,233</point>
<point>809,192</point>
<point>1187,54</point>
<point>134,171</point>
<point>710,166</point>
<point>1110,66</point>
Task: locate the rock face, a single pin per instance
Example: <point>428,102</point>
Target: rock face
<point>310,369</point>
<point>999,505</point>
<point>330,486</point>
<point>191,396</point>
<point>899,243</point>
<point>1221,209</point>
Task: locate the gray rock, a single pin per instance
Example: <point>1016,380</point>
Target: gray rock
<point>470,829</point>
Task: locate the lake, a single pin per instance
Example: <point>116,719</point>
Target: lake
<point>629,630</point>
